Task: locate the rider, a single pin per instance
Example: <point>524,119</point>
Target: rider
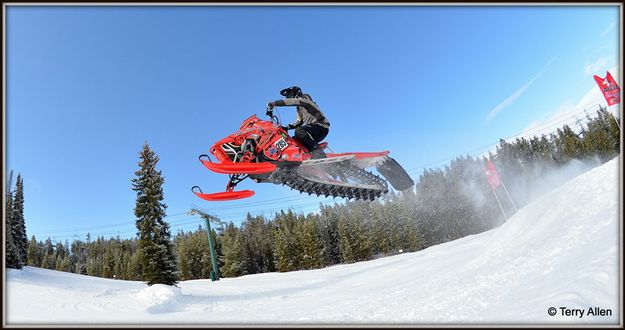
<point>311,126</point>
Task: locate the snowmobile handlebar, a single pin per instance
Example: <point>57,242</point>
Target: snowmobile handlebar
<point>274,118</point>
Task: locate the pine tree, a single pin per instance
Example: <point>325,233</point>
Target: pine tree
<point>12,254</point>
<point>355,234</point>
<point>199,254</point>
<point>219,250</point>
<point>48,259</point>
<point>59,249</point>
<point>156,249</point>
<point>108,267</point>
<point>236,258</point>
<point>183,260</point>
<point>602,138</point>
<point>259,238</point>
<point>310,244</point>
<point>569,144</point>
<point>79,257</point>
<point>406,229</point>
<point>328,226</point>
<point>288,252</point>
<point>135,266</point>
<point>34,253</point>
<point>19,227</point>
<point>615,131</point>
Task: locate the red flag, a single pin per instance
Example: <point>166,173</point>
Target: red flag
<point>609,88</point>
<point>491,174</point>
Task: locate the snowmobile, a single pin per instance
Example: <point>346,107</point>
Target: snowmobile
<point>264,152</point>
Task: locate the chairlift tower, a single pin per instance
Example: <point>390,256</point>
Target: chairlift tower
<point>214,274</point>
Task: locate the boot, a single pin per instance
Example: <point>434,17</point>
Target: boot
<point>318,153</point>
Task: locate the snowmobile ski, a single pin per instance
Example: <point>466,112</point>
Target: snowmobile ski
<point>223,196</point>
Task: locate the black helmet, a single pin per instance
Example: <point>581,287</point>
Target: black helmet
<point>291,92</point>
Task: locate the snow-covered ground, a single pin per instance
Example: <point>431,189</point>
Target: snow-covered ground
<point>560,251</point>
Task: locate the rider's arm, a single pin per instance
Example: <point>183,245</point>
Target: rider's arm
<point>280,103</point>
<point>310,107</point>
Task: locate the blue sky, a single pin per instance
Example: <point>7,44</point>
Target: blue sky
<point>87,86</point>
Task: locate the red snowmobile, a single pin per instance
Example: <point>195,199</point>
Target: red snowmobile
<point>262,151</point>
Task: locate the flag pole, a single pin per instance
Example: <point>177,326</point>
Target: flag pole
<point>510,198</point>
<point>500,207</point>
<point>494,181</point>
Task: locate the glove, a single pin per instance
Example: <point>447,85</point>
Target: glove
<point>269,109</point>
<point>285,128</point>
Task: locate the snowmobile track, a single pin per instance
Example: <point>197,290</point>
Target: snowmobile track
<point>371,186</point>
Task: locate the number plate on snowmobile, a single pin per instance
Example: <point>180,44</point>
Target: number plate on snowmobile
<point>281,144</point>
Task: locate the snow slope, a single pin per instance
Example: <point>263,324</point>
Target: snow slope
<point>559,251</point>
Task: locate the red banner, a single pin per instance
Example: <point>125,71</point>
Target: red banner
<point>491,174</point>
<point>609,88</point>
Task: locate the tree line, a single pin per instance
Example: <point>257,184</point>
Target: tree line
<point>446,203</point>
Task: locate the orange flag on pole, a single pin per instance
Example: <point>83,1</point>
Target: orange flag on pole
<point>609,88</point>
<point>491,174</point>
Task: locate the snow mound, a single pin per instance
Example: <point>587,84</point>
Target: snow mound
<point>161,298</point>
